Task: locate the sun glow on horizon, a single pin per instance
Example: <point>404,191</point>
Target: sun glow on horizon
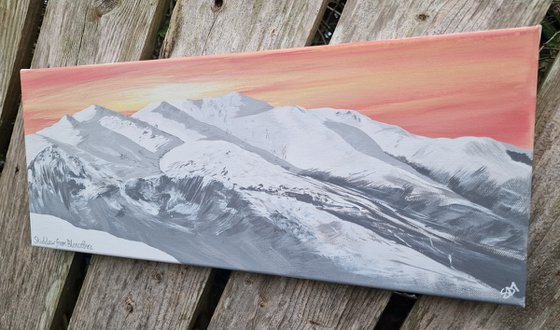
<point>478,84</point>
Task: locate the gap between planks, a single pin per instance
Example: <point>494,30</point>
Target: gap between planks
<point>21,21</point>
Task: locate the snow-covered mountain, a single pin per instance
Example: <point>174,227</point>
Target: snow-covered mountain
<point>485,171</point>
<point>108,141</point>
<point>233,182</point>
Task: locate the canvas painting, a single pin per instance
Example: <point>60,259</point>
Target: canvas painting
<point>400,164</point>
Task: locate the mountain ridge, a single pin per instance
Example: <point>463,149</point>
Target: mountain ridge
<point>232,166</point>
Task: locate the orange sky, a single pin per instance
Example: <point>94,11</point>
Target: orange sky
<point>475,84</point>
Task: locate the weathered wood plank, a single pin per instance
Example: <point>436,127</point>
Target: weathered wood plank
<point>364,20</point>
<point>283,304</point>
<point>126,302</point>
<point>543,291</point>
<point>18,21</point>
<point>134,294</point>
<point>32,279</point>
<point>97,31</point>
<point>253,301</point>
<point>202,27</point>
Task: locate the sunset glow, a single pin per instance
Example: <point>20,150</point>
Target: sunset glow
<point>475,84</point>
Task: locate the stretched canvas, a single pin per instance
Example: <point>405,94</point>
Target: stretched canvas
<point>400,164</point>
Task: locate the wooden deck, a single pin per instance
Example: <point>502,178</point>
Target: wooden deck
<point>47,289</point>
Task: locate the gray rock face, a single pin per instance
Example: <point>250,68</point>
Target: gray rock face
<point>218,188</point>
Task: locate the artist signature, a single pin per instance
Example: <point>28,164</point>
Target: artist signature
<point>509,291</point>
<point>62,243</point>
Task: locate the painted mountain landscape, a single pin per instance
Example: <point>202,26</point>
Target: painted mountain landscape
<point>329,194</point>
<point>401,164</point>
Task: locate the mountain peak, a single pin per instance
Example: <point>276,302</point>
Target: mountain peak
<point>67,121</point>
<point>63,130</point>
<point>351,114</point>
<point>155,106</point>
<point>245,105</point>
<point>232,95</point>
<point>91,112</point>
<point>235,98</point>
<point>231,104</point>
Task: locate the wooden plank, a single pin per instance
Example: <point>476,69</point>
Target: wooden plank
<point>364,20</point>
<point>18,21</point>
<point>181,291</point>
<point>32,279</point>
<point>202,27</point>
<point>97,31</point>
<point>134,294</point>
<point>284,304</point>
<point>252,301</point>
<point>543,292</point>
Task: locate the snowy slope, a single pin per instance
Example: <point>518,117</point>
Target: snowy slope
<point>290,134</point>
<point>75,130</point>
<point>143,136</point>
<point>481,169</point>
<point>352,245</point>
<point>52,232</point>
<point>64,131</point>
<point>34,144</point>
<point>350,154</point>
<point>107,140</point>
<point>437,154</point>
<point>287,132</point>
